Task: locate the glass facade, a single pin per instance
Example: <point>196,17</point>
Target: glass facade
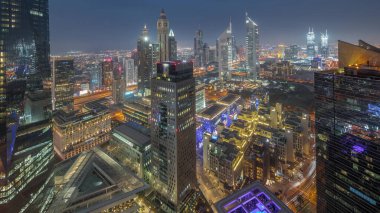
<point>348,145</point>
<point>252,47</point>
<point>63,85</point>
<point>25,144</point>
<point>224,46</point>
<point>173,131</point>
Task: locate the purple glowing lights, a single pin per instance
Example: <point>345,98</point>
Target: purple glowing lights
<point>357,149</point>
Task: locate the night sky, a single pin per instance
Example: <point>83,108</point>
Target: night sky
<point>93,25</point>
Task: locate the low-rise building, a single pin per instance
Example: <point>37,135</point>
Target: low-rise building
<point>253,198</point>
<point>78,131</point>
<point>226,163</point>
<point>131,146</point>
<point>138,110</point>
<point>94,182</point>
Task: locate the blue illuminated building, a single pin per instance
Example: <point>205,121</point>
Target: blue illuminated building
<point>224,111</point>
<point>254,198</point>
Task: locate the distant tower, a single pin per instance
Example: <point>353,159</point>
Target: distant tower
<point>310,39</point>
<point>224,45</point>
<point>163,36</point>
<point>62,85</point>
<point>206,54</point>
<point>144,63</point>
<point>252,47</point>
<point>173,132</point>
<point>324,45</point>
<point>118,85</point>
<point>129,71</point>
<point>107,73</point>
<point>172,46</point>
<point>198,48</point>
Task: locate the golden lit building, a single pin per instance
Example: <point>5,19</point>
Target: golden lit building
<point>226,163</point>
<point>75,132</point>
<point>361,54</point>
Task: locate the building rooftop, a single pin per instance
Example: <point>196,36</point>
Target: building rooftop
<point>212,112</point>
<point>39,95</point>
<point>255,198</point>
<point>229,99</point>
<point>93,110</point>
<point>139,104</point>
<point>132,134</point>
<point>92,182</point>
<point>227,151</point>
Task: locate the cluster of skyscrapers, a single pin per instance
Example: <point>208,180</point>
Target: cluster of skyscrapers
<point>227,52</point>
<point>149,53</point>
<point>39,117</point>
<point>314,47</point>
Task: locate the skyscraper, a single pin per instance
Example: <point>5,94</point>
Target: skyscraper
<point>347,122</point>
<point>107,73</point>
<point>173,131</point>
<point>130,74</point>
<point>118,90</point>
<point>224,45</point>
<point>198,48</point>
<point>62,85</point>
<point>145,62</point>
<point>206,54</point>
<point>310,43</point>
<point>163,36</point>
<point>324,50</point>
<point>172,47</point>
<point>26,153</point>
<point>252,47</point>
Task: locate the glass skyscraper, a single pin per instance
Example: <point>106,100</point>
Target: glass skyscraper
<point>173,132</point>
<point>224,45</point>
<point>25,139</point>
<point>252,47</point>
<point>348,140</point>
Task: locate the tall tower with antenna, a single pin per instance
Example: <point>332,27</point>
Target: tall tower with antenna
<point>163,36</point>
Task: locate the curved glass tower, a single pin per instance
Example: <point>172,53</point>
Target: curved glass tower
<point>25,106</point>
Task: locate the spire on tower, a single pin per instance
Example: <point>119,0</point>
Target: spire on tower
<point>162,14</point>
<point>171,33</point>
<point>230,26</point>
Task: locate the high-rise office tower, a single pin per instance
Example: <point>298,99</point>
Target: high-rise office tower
<point>129,74</point>
<point>224,46</point>
<point>206,54</point>
<point>145,62</point>
<point>163,36</point>
<point>172,47</point>
<point>26,151</point>
<point>155,55</point>
<point>212,54</point>
<point>347,121</point>
<point>324,50</point>
<point>310,43</point>
<point>107,73</point>
<point>198,48</point>
<point>173,131</point>
<point>62,84</point>
<point>252,47</point>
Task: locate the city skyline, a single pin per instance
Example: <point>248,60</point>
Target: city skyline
<point>144,112</point>
<point>117,25</point>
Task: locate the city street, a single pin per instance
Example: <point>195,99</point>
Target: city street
<point>210,187</point>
